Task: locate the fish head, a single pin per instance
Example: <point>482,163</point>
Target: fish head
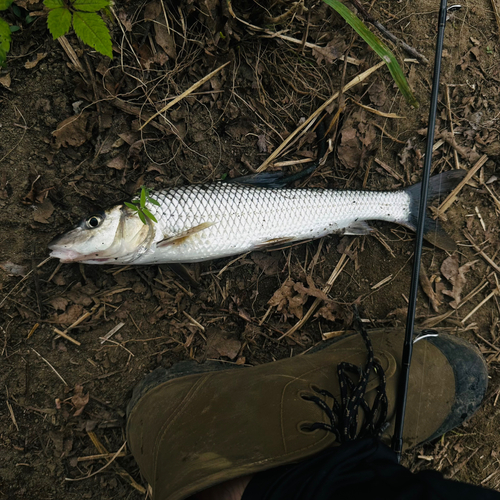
<point>113,236</point>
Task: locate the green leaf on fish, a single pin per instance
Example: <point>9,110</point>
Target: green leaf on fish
<point>139,206</point>
<point>149,215</point>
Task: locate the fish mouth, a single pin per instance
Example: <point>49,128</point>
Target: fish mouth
<point>59,250</point>
<point>67,256</point>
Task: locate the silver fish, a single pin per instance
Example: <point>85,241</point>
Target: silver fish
<point>203,222</point>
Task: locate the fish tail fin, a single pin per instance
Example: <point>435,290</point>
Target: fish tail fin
<point>439,185</point>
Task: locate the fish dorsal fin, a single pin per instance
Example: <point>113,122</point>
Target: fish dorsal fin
<point>262,180</point>
<point>183,235</point>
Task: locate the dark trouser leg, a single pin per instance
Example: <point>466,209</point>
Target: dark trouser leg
<point>362,469</point>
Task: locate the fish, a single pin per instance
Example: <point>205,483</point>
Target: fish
<point>209,221</point>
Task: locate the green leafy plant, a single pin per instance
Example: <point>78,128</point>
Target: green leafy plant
<point>89,26</point>
<point>5,33</point>
<point>139,205</point>
<point>378,46</point>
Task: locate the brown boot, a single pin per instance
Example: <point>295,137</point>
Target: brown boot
<point>194,426</point>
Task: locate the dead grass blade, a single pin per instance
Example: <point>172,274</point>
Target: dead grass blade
<point>377,112</point>
<point>309,121</point>
<point>191,89</point>
<point>453,195</point>
<point>102,468</point>
<point>51,367</point>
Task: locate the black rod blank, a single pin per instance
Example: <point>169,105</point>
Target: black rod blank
<point>397,441</point>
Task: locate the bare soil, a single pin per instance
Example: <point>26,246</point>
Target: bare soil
<point>70,143</point>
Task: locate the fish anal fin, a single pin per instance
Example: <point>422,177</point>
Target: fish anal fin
<point>358,228</point>
<point>274,242</point>
<point>184,235</point>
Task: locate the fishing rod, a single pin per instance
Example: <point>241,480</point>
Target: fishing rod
<point>397,440</point>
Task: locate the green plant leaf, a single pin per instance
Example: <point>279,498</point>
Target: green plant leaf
<point>153,202</point>
<point>92,30</point>
<point>90,5</point>
<point>53,4</point>
<point>143,197</point>
<point>5,39</point>
<point>131,206</point>
<point>149,215</point>
<point>5,4</point>
<point>378,46</point>
<point>17,11</point>
<point>142,217</point>
<point>13,29</point>
<point>59,21</point>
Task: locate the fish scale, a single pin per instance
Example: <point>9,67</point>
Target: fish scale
<point>245,218</point>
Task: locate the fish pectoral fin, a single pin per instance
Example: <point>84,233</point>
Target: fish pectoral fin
<point>184,235</point>
<point>275,242</point>
<point>358,229</point>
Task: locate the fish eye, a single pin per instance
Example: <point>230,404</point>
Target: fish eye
<point>93,221</point>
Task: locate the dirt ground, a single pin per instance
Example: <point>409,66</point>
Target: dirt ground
<point>70,143</point>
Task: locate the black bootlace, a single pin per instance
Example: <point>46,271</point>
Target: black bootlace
<point>343,416</point>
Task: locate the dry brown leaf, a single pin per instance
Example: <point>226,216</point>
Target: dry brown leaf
<point>312,290</point>
<point>70,316</point>
<point>43,211</point>
<point>378,93</point>
<point>165,40</point>
<point>118,163</point>
<point>456,276</point>
<point>59,303</point>
<point>329,54</point>
<point>73,131</point>
<point>267,263</point>
<point>152,11</point>
<point>38,58</point>
<point>218,344</point>
<point>262,144</point>
<point>122,16</point>
<point>79,399</point>
<point>5,80</point>
<point>296,305</point>
<point>428,290</point>
<point>13,269</point>
<point>287,301</point>
<point>280,296</point>
<point>349,150</point>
